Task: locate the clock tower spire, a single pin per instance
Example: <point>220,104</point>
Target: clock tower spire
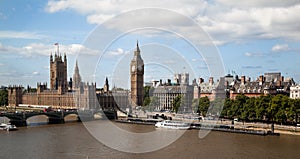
<point>137,78</point>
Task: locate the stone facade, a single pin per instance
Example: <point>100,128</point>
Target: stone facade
<point>58,73</point>
<point>269,83</point>
<point>229,86</point>
<point>61,95</point>
<point>167,92</point>
<point>137,78</point>
<point>295,92</point>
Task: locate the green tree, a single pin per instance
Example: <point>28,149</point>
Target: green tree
<point>226,108</point>
<point>248,110</point>
<point>195,105</point>
<point>276,110</point>
<point>146,101</point>
<point>3,97</point>
<point>216,106</point>
<point>237,106</point>
<point>203,105</point>
<point>154,102</point>
<point>176,103</point>
<point>261,106</point>
<point>146,95</point>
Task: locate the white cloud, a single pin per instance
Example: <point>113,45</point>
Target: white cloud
<point>2,16</point>
<point>252,67</point>
<point>249,54</point>
<point>46,49</point>
<point>258,3</point>
<point>117,52</point>
<point>225,20</point>
<point>114,7</point>
<point>35,73</point>
<point>280,48</point>
<point>20,35</point>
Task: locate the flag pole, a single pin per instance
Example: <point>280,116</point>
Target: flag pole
<point>57,48</point>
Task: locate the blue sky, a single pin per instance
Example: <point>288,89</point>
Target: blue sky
<point>252,38</point>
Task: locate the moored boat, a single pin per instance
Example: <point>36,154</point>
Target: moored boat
<point>7,127</point>
<point>170,124</point>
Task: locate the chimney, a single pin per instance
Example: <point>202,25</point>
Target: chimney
<point>261,80</point>
<point>201,80</point>
<point>169,82</point>
<point>211,80</point>
<point>236,77</point>
<point>226,83</point>
<point>243,80</point>
<point>278,83</point>
<point>248,79</point>
<point>282,79</point>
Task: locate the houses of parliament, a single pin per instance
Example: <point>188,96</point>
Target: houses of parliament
<point>73,94</point>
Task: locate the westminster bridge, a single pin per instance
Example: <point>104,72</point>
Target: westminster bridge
<point>55,117</point>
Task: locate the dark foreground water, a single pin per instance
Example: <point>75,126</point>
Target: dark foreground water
<point>72,140</point>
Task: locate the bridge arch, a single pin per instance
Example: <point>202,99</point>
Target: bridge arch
<point>4,119</point>
<point>71,117</point>
<point>37,120</point>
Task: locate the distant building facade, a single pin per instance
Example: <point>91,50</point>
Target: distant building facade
<point>229,86</point>
<point>113,99</point>
<point>267,84</point>
<point>295,92</point>
<point>61,95</point>
<point>167,92</point>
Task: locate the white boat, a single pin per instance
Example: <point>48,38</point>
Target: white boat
<point>170,124</point>
<point>7,127</point>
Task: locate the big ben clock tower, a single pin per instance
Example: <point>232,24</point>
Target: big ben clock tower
<point>137,78</point>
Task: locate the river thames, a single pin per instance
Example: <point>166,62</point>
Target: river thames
<point>73,140</point>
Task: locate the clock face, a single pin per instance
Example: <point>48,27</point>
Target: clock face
<point>132,68</point>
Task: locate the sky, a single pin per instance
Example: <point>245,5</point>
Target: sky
<point>203,38</point>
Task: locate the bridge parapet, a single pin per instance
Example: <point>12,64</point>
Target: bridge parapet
<point>55,117</point>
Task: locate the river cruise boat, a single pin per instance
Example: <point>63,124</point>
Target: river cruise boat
<point>170,124</point>
<point>7,127</point>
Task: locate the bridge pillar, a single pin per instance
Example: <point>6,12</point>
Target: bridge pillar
<point>56,120</point>
<point>18,119</point>
<point>18,123</point>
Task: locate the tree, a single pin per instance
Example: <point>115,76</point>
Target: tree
<point>154,102</point>
<point>3,97</point>
<point>261,106</point>
<point>226,108</point>
<point>277,107</point>
<point>216,107</point>
<point>237,106</point>
<point>203,105</point>
<point>195,105</point>
<point>146,101</point>
<point>176,103</point>
<point>146,95</point>
<point>248,111</point>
